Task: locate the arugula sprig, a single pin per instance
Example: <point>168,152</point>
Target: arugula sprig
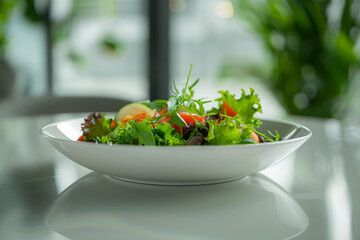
<point>275,137</point>
<point>179,99</point>
<point>185,100</point>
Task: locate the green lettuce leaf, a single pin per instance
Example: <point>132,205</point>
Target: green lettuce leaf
<point>142,132</point>
<point>156,104</point>
<point>166,135</point>
<point>225,133</point>
<point>132,133</point>
<point>246,106</point>
<point>121,135</point>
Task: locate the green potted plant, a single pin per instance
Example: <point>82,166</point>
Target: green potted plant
<point>7,73</point>
<point>311,47</point>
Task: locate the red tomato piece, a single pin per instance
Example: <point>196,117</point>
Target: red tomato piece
<point>113,124</point>
<point>187,117</point>
<point>164,119</point>
<point>191,118</point>
<point>229,111</point>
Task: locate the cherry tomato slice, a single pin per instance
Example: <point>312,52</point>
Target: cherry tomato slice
<point>113,124</point>
<point>229,111</point>
<point>187,117</point>
<point>191,118</point>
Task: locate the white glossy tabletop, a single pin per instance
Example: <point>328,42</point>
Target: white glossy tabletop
<point>312,194</point>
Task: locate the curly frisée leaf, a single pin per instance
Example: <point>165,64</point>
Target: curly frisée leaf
<point>246,106</point>
<point>231,130</point>
<point>166,135</point>
<point>121,135</point>
<point>223,133</point>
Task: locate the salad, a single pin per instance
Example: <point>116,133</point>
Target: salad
<point>181,120</point>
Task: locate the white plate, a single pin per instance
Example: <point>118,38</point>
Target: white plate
<point>177,165</point>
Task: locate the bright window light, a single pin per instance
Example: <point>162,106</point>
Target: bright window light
<point>225,9</point>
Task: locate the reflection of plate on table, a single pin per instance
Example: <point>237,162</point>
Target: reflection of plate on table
<point>100,207</point>
<point>178,165</point>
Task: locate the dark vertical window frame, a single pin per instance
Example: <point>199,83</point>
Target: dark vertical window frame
<point>49,48</point>
<point>158,49</point>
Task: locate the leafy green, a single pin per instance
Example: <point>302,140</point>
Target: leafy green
<point>174,103</point>
<point>217,128</point>
<point>121,135</point>
<point>185,99</point>
<point>156,104</point>
<point>246,106</point>
<point>274,137</point>
<point>142,132</point>
<point>96,125</point>
<point>177,120</point>
<point>225,133</point>
<point>166,135</point>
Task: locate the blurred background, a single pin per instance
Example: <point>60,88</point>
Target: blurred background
<point>302,57</point>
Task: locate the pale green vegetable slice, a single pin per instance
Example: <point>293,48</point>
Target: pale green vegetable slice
<point>133,109</point>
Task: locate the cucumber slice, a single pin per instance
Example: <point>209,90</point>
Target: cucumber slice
<point>132,109</point>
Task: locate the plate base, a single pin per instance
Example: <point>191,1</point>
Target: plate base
<point>245,179</point>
